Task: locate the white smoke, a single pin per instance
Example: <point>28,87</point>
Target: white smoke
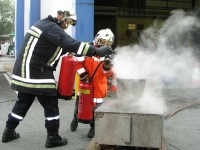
<point>164,56</point>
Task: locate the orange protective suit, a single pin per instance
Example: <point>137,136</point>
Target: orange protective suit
<point>99,80</point>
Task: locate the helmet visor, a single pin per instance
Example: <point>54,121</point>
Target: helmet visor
<point>103,42</point>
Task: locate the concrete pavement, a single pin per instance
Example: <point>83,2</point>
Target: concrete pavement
<point>182,129</point>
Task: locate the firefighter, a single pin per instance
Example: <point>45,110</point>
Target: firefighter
<point>40,51</point>
<point>90,68</point>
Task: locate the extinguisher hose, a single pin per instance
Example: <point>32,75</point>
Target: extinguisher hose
<point>181,109</point>
<point>95,72</point>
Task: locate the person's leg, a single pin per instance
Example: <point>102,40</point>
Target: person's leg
<point>52,122</point>
<point>74,123</point>
<point>18,113</point>
<point>91,132</point>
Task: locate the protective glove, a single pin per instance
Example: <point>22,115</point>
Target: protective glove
<point>111,56</point>
<point>84,77</point>
<point>103,51</point>
<point>107,64</point>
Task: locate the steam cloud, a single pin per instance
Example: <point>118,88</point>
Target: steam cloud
<point>165,55</point>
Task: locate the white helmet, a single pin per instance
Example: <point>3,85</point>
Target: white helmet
<point>104,37</point>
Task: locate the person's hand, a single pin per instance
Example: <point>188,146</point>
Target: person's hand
<point>103,51</point>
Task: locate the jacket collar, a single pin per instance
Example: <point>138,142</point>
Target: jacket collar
<point>52,19</point>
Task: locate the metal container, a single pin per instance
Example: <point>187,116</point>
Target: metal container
<point>127,127</point>
<point>130,89</point>
<point>118,122</point>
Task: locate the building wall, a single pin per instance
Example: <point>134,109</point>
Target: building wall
<point>125,35</point>
<point>47,9</point>
<point>198,4</point>
<point>27,14</point>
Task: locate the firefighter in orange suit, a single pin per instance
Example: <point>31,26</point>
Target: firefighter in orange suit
<point>96,70</point>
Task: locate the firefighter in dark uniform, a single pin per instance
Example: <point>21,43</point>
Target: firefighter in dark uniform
<point>40,51</point>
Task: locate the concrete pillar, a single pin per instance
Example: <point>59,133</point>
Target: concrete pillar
<point>84,30</point>
<point>19,25</point>
<point>34,11</point>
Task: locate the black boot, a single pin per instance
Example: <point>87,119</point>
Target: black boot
<point>91,133</point>
<point>74,125</point>
<point>9,135</point>
<point>55,141</point>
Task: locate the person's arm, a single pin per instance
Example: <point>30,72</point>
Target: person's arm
<point>62,39</point>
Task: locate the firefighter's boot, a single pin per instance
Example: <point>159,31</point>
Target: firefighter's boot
<point>54,140</point>
<point>91,133</point>
<point>9,135</point>
<point>74,124</point>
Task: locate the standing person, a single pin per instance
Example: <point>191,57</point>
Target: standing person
<point>104,37</point>
<point>33,76</point>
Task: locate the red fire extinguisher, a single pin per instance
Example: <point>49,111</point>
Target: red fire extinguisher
<point>85,104</point>
<point>67,76</point>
